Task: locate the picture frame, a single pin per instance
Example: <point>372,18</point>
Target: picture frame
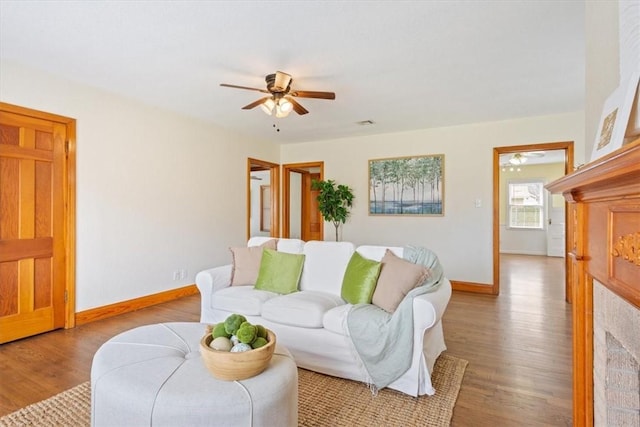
<point>615,117</point>
<point>407,186</point>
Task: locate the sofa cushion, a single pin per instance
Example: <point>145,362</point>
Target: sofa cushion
<point>304,309</point>
<point>377,252</point>
<point>324,266</point>
<point>246,263</point>
<point>241,299</point>
<point>279,272</point>
<point>291,246</point>
<point>397,278</point>
<point>360,279</point>
<point>335,320</point>
<point>260,240</point>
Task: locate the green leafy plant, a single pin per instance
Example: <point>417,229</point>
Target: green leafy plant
<point>334,201</point>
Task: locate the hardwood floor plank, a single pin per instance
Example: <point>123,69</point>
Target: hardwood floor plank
<point>38,367</point>
<point>518,345</point>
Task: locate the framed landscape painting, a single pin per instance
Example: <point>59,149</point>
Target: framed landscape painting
<point>407,186</point>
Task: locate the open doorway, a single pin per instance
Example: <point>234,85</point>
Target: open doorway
<point>526,218</point>
<point>301,218</point>
<point>263,198</point>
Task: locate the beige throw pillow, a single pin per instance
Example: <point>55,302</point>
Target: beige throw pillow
<point>246,263</point>
<point>397,278</point>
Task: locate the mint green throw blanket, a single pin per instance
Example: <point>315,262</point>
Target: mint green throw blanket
<point>384,341</point>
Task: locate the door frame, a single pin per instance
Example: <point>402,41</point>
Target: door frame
<point>69,196</point>
<point>567,146</point>
<point>286,192</point>
<point>274,182</point>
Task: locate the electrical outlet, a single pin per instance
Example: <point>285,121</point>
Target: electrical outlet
<point>176,275</point>
<point>478,203</point>
<point>183,273</point>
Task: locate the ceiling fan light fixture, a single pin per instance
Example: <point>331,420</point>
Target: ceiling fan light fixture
<point>517,159</point>
<point>267,106</point>
<point>282,81</point>
<point>279,86</point>
<point>285,105</point>
<point>280,113</point>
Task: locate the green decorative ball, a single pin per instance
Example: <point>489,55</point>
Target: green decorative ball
<point>220,331</point>
<point>259,342</point>
<point>247,333</point>
<point>262,331</point>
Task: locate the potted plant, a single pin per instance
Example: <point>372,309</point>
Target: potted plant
<point>334,201</point>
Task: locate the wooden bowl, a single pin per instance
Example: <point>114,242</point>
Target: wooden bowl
<point>228,366</point>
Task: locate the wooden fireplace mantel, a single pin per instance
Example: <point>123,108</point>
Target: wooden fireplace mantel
<point>603,239</point>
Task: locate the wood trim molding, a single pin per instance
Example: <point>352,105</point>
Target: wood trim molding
<point>567,146</point>
<point>286,192</point>
<point>477,288</point>
<point>70,232</point>
<point>133,304</point>
<point>274,182</point>
<point>604,199</point>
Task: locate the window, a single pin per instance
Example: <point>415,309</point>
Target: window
<point>526,205</point>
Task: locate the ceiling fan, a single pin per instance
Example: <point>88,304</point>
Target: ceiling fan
<point>520,158</point>
<point>281,95</point>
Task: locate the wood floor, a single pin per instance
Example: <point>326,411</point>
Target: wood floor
<point>518,346</point>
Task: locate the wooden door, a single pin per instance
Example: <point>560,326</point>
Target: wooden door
<point>32,225</point>
<point>556,226</point>
<point>311,222</point>
<point>311,217</point>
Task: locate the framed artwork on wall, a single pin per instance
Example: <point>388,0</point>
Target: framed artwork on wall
<point>407,186</point>
<point>615,117</point>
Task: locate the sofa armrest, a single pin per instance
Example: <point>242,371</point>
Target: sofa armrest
<point>213,279</point>
<point>428,308</point>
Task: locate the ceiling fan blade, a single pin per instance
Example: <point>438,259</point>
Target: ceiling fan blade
<point>313,94</point>
<point>244,87</point>
<point>255,103</point>
<point>297,107</point>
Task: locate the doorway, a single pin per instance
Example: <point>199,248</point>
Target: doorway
<point>301,218</point>
<point>507,160</point>
<point>37,226</point>
<point>263,198</point>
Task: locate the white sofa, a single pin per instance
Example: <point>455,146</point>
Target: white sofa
<point>311,323</point>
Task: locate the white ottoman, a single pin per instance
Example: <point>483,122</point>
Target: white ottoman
<point>154,376</point>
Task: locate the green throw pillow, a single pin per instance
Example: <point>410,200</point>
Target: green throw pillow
<point>359,281</point>
<point>279,272</point>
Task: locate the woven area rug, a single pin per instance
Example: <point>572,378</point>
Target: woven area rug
<point>323,401</point>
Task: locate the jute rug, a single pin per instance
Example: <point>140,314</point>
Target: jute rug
<point>323,401</point>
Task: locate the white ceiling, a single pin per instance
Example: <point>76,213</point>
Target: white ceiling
<point>536,157</point>
<point>402,64</point>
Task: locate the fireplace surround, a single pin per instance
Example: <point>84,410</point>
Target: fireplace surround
<point>616,356</point>
<point>603,247</point>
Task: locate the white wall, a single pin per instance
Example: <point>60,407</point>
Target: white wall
<point>462,238</point>
<point>601,63</point>
<point>156,191</point>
